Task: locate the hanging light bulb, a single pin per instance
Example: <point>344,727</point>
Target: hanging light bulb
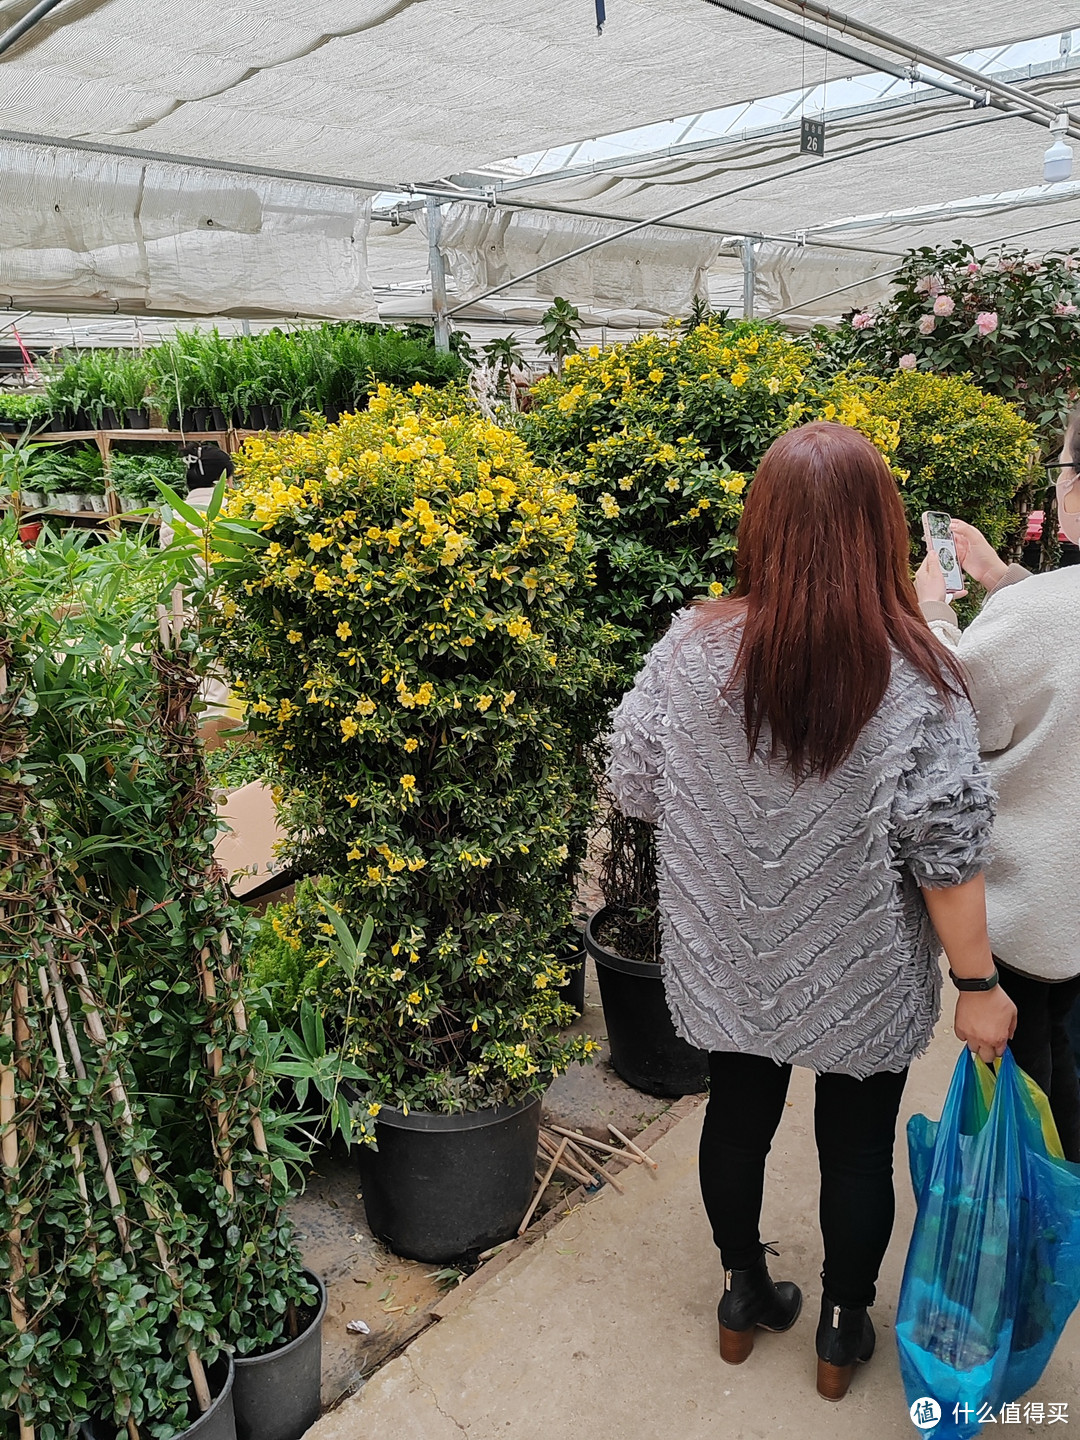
<point>1057,161</point>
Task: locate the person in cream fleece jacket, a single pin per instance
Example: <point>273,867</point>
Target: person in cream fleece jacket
<point>1022,658</point>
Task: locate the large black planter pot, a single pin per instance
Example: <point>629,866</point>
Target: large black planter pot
<point>277,1396</point>
<point>445,1187</point>
<point>217,1424</point>
<point>645,1049</point>
<point>137,419</point>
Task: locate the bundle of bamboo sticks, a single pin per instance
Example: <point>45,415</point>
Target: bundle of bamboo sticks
<point>575,1156</point>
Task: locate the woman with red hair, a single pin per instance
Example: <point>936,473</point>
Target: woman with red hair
<point>808,754</point>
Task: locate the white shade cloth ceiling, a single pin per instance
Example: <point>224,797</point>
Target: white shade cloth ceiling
<point>398,91</point>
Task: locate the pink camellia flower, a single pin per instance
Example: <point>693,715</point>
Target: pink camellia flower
<point>1061,308</point>
<point>907,362</point>
<point>928,285</point>
<point>944,305</point>
<point>926,325</point>
<point>863,321</point>
<point>986,322</point>
<point>972,267</point>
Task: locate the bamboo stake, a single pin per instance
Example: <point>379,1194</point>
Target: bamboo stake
<point>143,1175</point>
<point>597,1168</point>
<point>209,992</point>
<point>9,1150</point>
<point>78,1156</point>
<point>567,1166</point>
<point>543,1186</point>
<point>232,973</point>
<point>588,1140</point>
<point>636,1149</point>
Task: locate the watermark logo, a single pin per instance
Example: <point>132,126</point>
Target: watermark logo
<point>925,1413</point>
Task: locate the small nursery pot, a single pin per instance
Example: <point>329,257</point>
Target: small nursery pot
<point>109,418</point>
<point>218,1423</point>
<point>218,417</point>
<point>67,502</point>
<point>277,1396</point>
<point>444,1187</point>
<point>645,1050</point>
<point>137,419</point>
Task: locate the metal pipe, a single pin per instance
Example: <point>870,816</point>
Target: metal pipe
<point>843,49</point>
<point>837,20</point>
<point>749,276</point>
<point>725,195</point>
<point>230,167</point>
<point>437,267</point>
<point>30,19</point>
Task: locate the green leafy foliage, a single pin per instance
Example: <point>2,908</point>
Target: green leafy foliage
<point>946,298</point>
<point>124,806</point>
<point>413,642</point>
<point>136,473</point>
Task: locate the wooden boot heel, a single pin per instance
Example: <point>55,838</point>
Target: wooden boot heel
<point>833,1380</point>
<point>736,1345</point>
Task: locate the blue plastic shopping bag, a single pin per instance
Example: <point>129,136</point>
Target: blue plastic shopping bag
<point>993,1270</point>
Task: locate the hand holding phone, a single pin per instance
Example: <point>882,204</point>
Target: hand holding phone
<point>937,529</point>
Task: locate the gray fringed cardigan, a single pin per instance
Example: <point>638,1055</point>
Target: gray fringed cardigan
<point>793,926</point>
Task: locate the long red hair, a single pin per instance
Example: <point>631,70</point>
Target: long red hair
<point>825,588</point>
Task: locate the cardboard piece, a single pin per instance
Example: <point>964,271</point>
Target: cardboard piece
<point>246,850</point>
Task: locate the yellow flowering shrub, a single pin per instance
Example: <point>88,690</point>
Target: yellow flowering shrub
<point>411,639</point>
<point>660,437</point>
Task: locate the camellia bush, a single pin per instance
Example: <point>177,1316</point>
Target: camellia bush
<point>413,639</point>
<point>1008,320</point>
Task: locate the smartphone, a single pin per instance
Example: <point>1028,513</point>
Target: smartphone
<point>937,528</point>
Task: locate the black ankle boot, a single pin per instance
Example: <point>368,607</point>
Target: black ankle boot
<point>845,1338</point>
<point>751,1299</point>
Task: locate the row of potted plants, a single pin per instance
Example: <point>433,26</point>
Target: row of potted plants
<point>69,479</point>
<point>153,1283</point>
<point>201,380</point>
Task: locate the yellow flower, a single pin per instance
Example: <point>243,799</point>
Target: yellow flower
<point>412,744</point>
<point>483,702</point>
<point>374,1108</point>
<point>716,588</point>
<point>353,800</point>
<point>408,782</point>
<point>610,506</point>
<point>344,630</point>
<point>355,854</point>
<point>349,727</point>
<point>739,378</point>
<point>398,974</point>
<point>260,708</point>
<point>417,862</point>
<point>366,706</point>
<point>413,998</point>
<point>656,376</point>
<point>318,542</point>
<point>323,582</point>
<point>374,872</point>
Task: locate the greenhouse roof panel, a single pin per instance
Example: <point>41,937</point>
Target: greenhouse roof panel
<point>402,90</point>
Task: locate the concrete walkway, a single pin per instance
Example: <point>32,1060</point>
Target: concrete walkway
<point>607,1326</point>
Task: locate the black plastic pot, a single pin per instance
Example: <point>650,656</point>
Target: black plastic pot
<point>445,1187</point>
<point>256,418</point>
<point>278,1396</point>
<point>574,989</point>
<point>645,1050</point>
<point>59,422</point>
<point>218,417</point>
<point>202,417</point>
<point>217,1424</point>
<point>108,418</point>
<point>137,419</point>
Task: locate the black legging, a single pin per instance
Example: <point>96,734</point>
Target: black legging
<point>1042,1047</point>
<point>855,1126</point>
